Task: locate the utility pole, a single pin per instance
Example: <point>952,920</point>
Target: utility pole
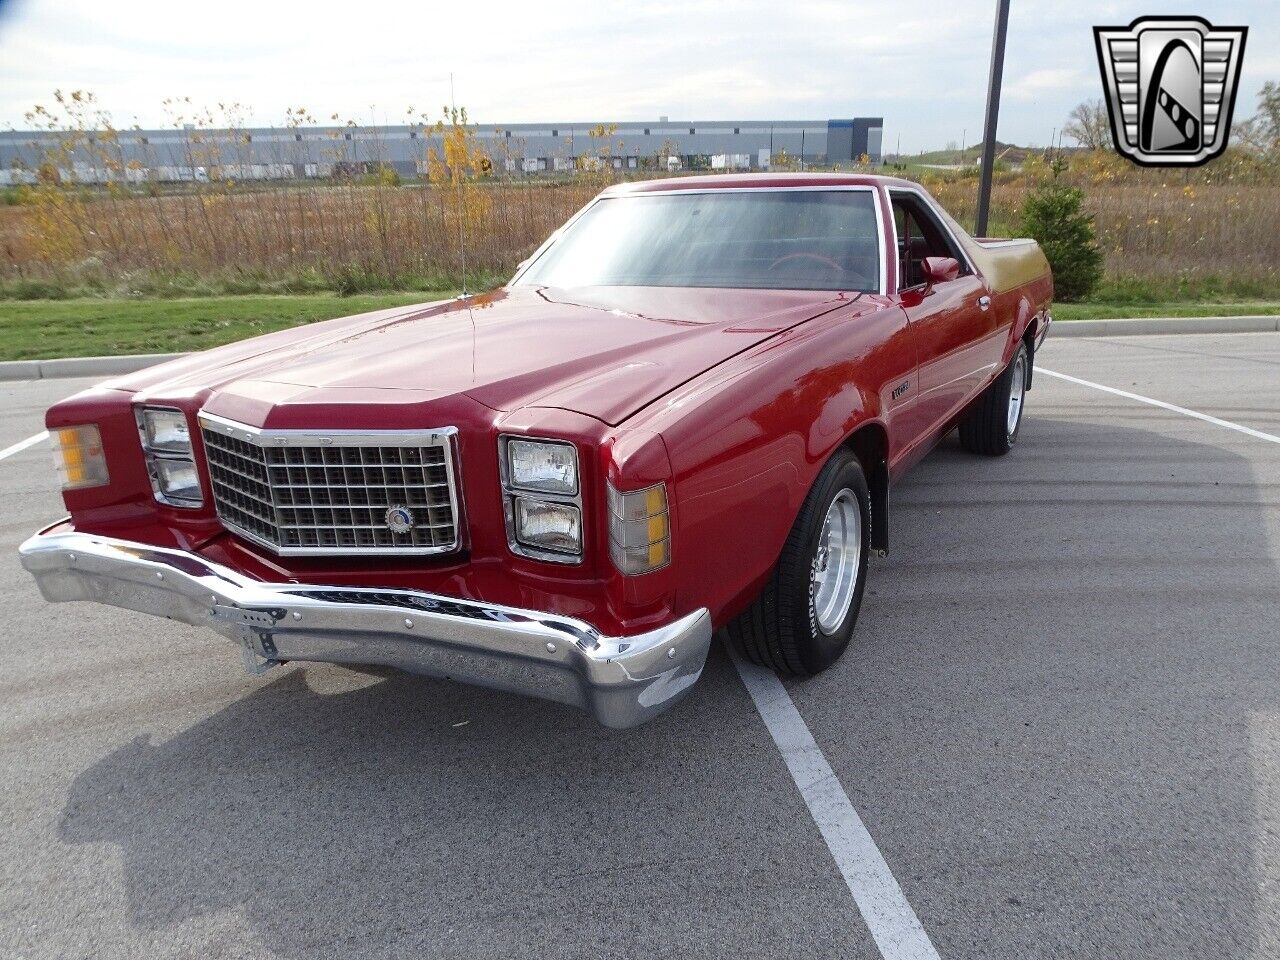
<point>993,113</point>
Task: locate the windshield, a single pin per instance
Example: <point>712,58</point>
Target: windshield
<point>770,239</point>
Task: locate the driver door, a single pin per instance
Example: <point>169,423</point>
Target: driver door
<point>952,322</point>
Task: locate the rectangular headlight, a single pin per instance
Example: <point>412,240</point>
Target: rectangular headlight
<point>78,457</point>
<point>639,529</point>
<point>543,466</point>
<point>547,525</point>
<point>177,481</point>
<point>166,445</point>
<point>165,431</point>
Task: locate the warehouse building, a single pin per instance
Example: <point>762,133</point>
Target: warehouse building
<point>189,154</point>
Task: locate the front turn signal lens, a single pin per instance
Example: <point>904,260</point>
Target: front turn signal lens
<point>639,529</point>
<point>78,457</point>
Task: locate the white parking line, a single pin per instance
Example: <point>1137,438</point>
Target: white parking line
<point>894,926</point>
<point>23,444</point>
<point>1163,406</point>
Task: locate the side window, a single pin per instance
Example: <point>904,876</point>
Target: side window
<point>920,235</point>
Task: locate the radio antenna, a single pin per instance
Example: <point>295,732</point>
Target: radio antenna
<point>457,179</point>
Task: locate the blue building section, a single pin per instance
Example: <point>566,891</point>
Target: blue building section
<point>852,139</point>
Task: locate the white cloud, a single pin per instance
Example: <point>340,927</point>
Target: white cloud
<point>1036,84</point>
<point>572,61</point>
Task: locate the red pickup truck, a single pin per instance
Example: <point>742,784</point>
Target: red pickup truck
<point>684,412</point>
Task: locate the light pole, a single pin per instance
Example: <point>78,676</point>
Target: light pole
<point>993,113</point>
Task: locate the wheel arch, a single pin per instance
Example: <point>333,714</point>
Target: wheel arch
<point>1029,338</point>
<point>870,444</point>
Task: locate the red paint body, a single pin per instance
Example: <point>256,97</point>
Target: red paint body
<point>735,398</point>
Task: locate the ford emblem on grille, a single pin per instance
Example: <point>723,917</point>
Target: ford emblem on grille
<point>399,520</point>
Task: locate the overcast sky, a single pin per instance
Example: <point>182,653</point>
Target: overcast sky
<point>922,66</point>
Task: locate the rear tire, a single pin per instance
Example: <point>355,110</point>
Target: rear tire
<point>991,427</point>
<point>804,617</point>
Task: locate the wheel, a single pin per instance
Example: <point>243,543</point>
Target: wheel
<point>991,427</point>
<point>804,617</point>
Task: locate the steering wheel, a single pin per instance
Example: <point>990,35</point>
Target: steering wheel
<point>825,261</point>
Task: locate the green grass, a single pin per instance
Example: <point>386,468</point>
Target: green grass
<point>1103,310</point>
<point>41,329</point>
<point>1176,295</point>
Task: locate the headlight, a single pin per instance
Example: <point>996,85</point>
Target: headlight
<point>177,480</point>
<point>543,501</point>
<point>165,431</point>
<point>166,444</point>
<point>546,467</point>
<point>78,457</point>
<point>639,529</point>
<point>548,526</point>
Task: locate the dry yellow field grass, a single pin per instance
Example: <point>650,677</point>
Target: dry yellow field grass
<point>385,235</point>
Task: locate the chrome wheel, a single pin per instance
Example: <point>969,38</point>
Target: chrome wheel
<point>836,564</point>
<point>1017,387</point>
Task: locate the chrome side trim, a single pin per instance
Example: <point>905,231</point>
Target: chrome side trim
<point>997,244</point>
<point>621,681</point>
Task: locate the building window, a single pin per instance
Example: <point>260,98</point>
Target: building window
<point>507,134</point>
<point>413,134</point>
<point>346,136</point>
<point>646,131</point>
<point>736,131</point>
<point>298,137</point>
<point>691,131</point>
<point>555,133</point>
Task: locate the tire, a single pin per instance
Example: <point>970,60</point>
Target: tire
<point>991,427</point>
<point>796,626</point>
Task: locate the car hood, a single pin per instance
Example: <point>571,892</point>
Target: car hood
<point>603,352</point>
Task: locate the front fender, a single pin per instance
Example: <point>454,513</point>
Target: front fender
<point>747,441</point>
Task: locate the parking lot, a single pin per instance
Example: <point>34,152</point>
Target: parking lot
<point>1059,722</point>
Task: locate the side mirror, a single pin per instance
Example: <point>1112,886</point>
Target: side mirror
<point>941,269</point>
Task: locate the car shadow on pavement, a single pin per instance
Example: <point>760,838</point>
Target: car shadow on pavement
<point>1052,719</point>
<point>1045,722</point>
<point>376,813</point>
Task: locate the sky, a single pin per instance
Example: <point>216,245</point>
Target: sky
<point>922,66</point>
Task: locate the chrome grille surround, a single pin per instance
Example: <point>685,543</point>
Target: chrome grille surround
<point>326,493</point>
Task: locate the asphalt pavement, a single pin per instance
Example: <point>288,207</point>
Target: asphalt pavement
<point>1059,722</point>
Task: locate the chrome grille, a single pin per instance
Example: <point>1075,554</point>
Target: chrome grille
<point>302,492</point>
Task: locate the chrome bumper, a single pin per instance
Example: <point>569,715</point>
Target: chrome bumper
<point>621,681</point>
<point>1044,328</point>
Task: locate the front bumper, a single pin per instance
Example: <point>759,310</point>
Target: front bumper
<point>621,681</point>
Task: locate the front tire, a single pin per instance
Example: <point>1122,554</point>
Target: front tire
<point>991,427</point>
<point>804,617</point>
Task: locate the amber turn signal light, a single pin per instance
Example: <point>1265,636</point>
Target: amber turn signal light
<point>78,457</point>
<point>639,529</point>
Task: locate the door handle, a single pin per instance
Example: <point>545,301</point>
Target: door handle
<point>984,302</point>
